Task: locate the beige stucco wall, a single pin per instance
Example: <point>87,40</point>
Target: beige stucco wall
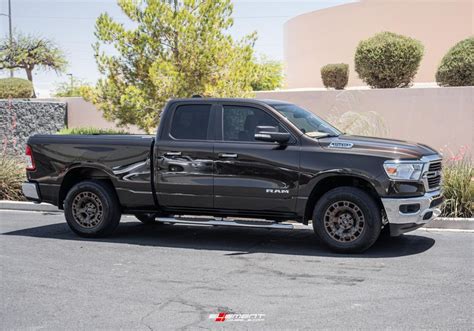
<point>439,117</point>
<point>331,35</point>
<point>81,113</point>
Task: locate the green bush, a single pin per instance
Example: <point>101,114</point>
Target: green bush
<point>15,88</point>
<point>335,75</point>
<point>88,130</point>
<point>458,188</point>
<point>388,60</point>
<point>12,174</point>
<point>457,66</point>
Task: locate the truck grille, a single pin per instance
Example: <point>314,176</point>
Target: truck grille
<point>433,176</point>
<point>434,182</point>
<point>435,166</point>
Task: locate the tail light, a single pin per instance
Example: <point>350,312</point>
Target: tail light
<point>30,162</point>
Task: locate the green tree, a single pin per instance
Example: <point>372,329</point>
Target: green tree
<point>268,75</point>
<point>175,49</point>
<point>78,88</point>
<point>29,52</point>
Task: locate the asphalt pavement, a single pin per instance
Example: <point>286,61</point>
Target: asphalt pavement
<point>175,277</point>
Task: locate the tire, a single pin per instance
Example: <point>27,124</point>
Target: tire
<point>92,209</point>
<point>347,220</point>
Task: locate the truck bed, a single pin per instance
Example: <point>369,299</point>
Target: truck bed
<point>124,159</point>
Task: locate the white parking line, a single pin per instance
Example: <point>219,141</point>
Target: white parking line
<point>444,230</point>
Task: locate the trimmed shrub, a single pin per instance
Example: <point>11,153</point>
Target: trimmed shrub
<point>15,88</point>
<point>335,75</point>
<point>12,174</point>
<point>458,188</point>
<point>388,60</point>
<point>87,130</point>
<point>457,66</point>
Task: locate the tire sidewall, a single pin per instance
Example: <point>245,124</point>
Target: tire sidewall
<point>368,207</point>
<point>109,217</point>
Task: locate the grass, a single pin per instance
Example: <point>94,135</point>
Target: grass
<point>89,130</point>
<point>458,188</point>
<point>12,174</point>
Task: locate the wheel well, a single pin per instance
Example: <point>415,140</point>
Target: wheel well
<point>77,175</point>
<point>329,183</point>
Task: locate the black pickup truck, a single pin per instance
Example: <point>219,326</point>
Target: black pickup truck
<point>242,162</point>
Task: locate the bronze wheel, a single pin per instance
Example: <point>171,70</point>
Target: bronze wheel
<point>344,221</point>
<point>92,209</point>
<point>87,209</point>
<point>347,219</point>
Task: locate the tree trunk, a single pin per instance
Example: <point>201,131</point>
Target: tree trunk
<point>29,75</point>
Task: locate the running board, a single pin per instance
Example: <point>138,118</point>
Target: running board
<point>223,222</point>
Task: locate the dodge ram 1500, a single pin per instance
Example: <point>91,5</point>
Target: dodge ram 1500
<point>242,162</point>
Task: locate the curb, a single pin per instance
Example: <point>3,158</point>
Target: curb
<point>27,206</point>
<point>451,223</point>
<point>438,223</point>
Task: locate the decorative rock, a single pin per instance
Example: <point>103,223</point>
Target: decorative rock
<point>20,119</point>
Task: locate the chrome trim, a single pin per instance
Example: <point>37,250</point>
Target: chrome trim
<point>30,191</point>
<point>392,208</point>
<point>340,144</point>
<point>425,175</point>
<point>225,222</point>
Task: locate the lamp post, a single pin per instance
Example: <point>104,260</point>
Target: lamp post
<point>72,82</point>
<point>9,15</point>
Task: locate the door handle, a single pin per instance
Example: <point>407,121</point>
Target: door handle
<point>228,155</point>
<point>173,153</point>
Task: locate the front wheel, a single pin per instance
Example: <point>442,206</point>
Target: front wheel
<point>347,220</point>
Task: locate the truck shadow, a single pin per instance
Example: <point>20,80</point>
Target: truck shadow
<point>237,241</point>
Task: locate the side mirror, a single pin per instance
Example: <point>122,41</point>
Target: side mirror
<point>271,134</point>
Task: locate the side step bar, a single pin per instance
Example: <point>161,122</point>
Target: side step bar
<point>225,222</point>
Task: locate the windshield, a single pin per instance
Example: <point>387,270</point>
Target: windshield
<point>310,124</point>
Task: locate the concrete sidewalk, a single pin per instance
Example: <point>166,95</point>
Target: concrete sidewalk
<point>439,223</point>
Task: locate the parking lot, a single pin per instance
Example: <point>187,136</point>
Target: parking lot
<point>174,277</point>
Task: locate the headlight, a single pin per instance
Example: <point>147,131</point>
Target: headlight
<point>403,170</point>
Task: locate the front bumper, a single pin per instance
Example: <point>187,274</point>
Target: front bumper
<point>31,191</point>
<point>408,214</point>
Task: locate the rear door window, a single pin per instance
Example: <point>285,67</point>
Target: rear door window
<point>191,122</point>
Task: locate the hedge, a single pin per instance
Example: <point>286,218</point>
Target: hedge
<point>457,66</point>
<point>15,88</point>
<point>388,60</point>
<point>335,75</point>
<point>88,130</point>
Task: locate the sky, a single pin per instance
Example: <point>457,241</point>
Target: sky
<point>70,24</point>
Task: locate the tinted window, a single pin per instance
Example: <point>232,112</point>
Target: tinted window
<point>191,122</point>
<point>240,123</point>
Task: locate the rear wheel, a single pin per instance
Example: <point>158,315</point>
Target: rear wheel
<point>347,220</point>
<point>91,209</point>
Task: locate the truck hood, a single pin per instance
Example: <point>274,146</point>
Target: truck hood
<point>390,148</point>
